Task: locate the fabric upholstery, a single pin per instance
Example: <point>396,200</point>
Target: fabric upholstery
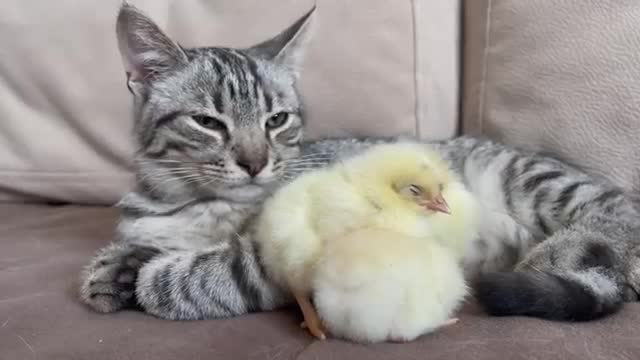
<point>559,77</point>
<point>42,250</point>
<point>65,109</point>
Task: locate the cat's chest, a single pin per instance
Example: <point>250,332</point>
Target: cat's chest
<point>218,218</point>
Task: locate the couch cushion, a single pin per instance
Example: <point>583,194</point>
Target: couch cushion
<point>65,109</point>
<point>557,76</point>
<point>42,250</point>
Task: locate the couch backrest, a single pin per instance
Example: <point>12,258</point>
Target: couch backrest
<point>375,67</point>
<point>557,76</point>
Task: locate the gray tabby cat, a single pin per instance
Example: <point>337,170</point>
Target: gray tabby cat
<point>219,129</point>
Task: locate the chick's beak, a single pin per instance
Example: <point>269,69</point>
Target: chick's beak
<point>438,204</point>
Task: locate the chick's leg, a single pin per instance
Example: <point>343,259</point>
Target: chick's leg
<point>311,320</point>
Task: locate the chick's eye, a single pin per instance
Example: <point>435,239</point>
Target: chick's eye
<point>277,120</point>
<point>415,190</point>
<point>209,122</point>
<point>440,187</point>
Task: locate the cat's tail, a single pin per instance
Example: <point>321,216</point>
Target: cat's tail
<point>571,296</point>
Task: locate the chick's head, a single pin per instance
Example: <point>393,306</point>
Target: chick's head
<point>422,192</point>
<point>404,175</point>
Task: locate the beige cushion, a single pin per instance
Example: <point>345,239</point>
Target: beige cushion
<point>65,109</point>
<point>558,76</point>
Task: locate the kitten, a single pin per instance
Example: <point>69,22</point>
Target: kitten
<point>218,129</point>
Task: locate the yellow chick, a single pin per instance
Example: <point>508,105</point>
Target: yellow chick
<point>371,239</point>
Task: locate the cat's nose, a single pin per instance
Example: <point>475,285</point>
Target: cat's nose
<point>252,166</point>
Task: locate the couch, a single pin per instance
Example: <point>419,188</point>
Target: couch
<point>558,77</point>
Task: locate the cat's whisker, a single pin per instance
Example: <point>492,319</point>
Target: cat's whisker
<point>307,163</point>
<point>214,170</point>
<point>170,161</point>
<point>164,163</point>
<point>210,181</point>
<point>185,179</point>
<point>301,168</point>
<point>219,176</point>
<point>203,171</point>
<point>316,164</point>
<point>312,155</point>
<point>177,171</point>
<point>164,182</point>
<point>160,161</point>
<point>165,169</point>
<point>183,170</point>
<point>296,161</point>
<point>195,180</point>
<point>296,172</point>
<point>178,178</point>
<point>175,183</point>
<point>151,175</point>
<point>155,175</point>
<point>309,157</point>
<point>289,176</point>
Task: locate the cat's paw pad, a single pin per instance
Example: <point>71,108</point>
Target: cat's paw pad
<point>109,281</point>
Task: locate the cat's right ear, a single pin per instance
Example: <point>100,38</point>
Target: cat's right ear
<point>145,49</point>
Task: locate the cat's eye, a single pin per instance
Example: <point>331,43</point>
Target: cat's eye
<point>209,122</point>
<point>415,190</point>
<point>277,120</point>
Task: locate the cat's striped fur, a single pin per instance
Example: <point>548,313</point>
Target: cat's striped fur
<point>185,248</point>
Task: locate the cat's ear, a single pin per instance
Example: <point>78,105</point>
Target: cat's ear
<point>145,49</point>
<point>288,47</point>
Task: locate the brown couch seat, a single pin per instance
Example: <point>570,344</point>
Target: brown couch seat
<point>42,250</point>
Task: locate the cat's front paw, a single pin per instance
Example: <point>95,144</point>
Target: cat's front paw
<point>108,282</point>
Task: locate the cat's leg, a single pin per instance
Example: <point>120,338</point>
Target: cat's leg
<point>217,282</point>
<point>221,281</point>
<point>109,281</point>
<point>579,273</point>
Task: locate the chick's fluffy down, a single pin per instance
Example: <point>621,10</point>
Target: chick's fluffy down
<point>376,264</point>
<point>301,217</point>
<point>378,285</point>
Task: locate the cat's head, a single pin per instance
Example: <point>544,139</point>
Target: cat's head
<point>212,121</point>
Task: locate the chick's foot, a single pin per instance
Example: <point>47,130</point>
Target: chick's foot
<point>311,319</point>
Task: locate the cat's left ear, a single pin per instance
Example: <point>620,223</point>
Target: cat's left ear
<point>288,47</point>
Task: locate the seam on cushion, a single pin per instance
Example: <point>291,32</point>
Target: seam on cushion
<point>485,66</point>
<point>416,70</point>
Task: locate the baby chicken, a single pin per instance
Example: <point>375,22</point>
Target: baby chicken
<point>372,240</point>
